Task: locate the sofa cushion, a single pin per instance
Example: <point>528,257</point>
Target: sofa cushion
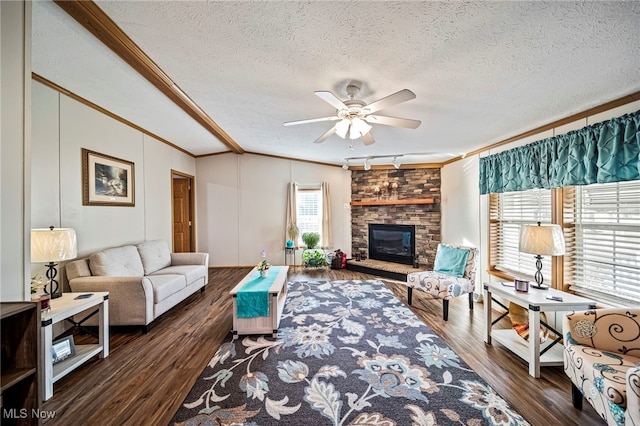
<point>77,268</point>
<point>190,272</point>
<point>119,261</point>
<point>155,255</point>
<point>166,285</point>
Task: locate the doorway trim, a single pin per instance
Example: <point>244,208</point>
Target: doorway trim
<point>192,205</point>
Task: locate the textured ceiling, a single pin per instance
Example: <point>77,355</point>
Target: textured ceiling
<point>481,71</point>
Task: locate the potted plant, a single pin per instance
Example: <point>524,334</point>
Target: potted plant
<point>37,285</point>
<point>293,232</point>
<point>310,239</point>
<point>314,257</point>
<point>38,292</point>
<point>263,267</point>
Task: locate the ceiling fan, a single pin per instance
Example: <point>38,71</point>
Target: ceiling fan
<point>354,116</point>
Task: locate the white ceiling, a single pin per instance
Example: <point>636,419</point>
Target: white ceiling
<point>481,71</point>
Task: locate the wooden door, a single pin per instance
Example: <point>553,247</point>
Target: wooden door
<point>182,223</point>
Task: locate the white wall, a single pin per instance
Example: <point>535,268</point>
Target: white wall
<point>61,128</point>
<point>15,147</point>
<point>460,206</point>
<point>242,205</point>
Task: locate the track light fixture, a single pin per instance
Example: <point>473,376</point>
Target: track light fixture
<point>395,163</point>
<point>367,161</point>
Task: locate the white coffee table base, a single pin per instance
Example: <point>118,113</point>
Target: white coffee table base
<point>267,324</point>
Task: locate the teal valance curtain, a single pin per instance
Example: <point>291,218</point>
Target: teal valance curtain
<point>604,152</point>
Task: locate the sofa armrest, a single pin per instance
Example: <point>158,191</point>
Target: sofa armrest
<point>190,259</point>
<point>130,298</point>
<point>632,415</point>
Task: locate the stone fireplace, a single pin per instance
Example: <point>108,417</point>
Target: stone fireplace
<point>397,197</point>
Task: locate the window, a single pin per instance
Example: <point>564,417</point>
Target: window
<point>309,203</point>
<point>601,225</point>
<point>508,211</point>
<point>602,228</point>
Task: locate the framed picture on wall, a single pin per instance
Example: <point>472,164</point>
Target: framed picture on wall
<point>107,180</point>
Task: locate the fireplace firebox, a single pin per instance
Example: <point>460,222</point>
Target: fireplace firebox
<point>392,243</point>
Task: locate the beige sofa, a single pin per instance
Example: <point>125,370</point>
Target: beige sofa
<point>143,280</point>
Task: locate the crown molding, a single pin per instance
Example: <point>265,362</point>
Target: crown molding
<point>403,166</point>
<point>91,17</point>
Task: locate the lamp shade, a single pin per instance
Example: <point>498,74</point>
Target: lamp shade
<point>53,244</point>
<point>545,240</point>
<point>342,127</point>
<point>358,128</point>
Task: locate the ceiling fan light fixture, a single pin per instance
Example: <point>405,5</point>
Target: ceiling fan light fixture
<point>358,128</point>
<point>342,127</point>
<point>354,115</point>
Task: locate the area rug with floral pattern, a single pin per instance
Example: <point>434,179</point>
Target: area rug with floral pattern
<point>347,353</point>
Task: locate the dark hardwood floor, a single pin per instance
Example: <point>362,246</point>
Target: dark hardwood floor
<point>147,376</point>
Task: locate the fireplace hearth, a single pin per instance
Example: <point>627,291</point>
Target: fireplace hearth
<point>392,243</point>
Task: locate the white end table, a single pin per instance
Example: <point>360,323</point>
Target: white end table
<point>535,300</point>
<point>63,308</point>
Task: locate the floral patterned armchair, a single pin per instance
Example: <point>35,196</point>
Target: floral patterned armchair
<point>602,359</point>
<point>445,286</point>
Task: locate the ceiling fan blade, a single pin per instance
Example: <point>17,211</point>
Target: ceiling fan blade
<point>396,98</point>
<point>311,120</point>
<point>393,121</point>
<point>367,138</point>
<point>331,99</point>
<point>326,135</point>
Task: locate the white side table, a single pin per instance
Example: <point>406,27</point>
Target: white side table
<point>535,354</point>
<point>62,308</point>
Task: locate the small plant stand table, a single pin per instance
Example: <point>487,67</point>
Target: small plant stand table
<point>290,252</point>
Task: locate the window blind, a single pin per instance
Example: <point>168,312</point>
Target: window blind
<point>602,228</point>
<point>508,211</point>
<point>309,203</point>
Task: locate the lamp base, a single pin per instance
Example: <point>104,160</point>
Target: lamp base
<point>539,287</point>
<point>538,276</point>
<point>56,295</point>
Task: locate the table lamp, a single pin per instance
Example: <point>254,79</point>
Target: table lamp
<point>541,240</point>
<point>52,245</point>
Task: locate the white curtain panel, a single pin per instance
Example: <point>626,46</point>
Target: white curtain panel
<point>292,209</point>
<point>326,217</point>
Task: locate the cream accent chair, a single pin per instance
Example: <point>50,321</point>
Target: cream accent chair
<point>445,286</point>
<point>602,359</point>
